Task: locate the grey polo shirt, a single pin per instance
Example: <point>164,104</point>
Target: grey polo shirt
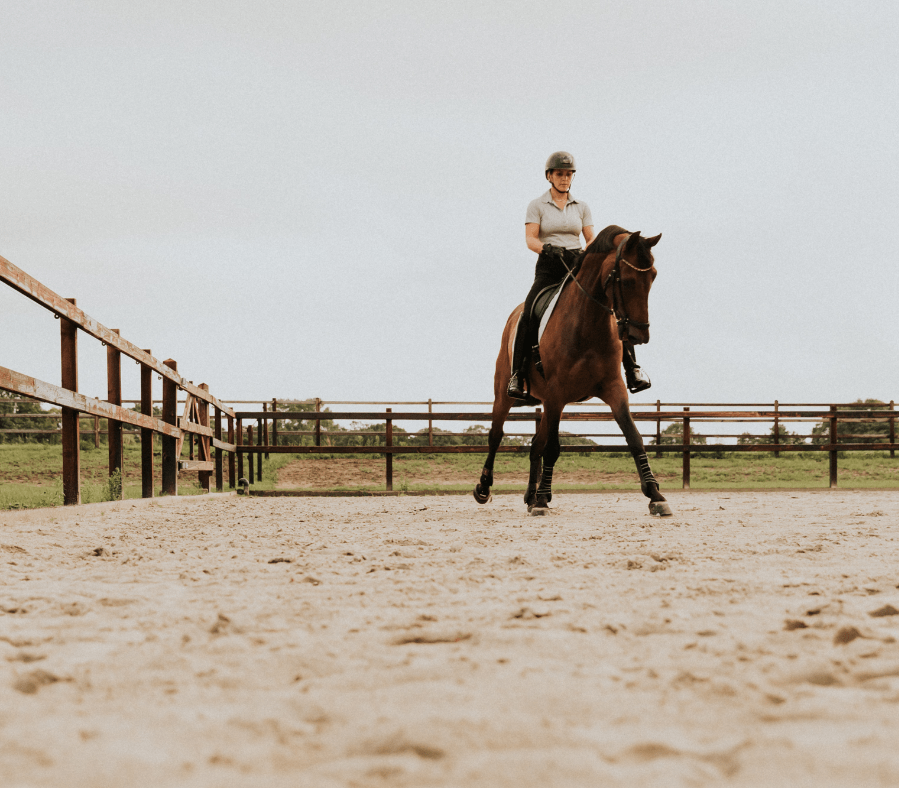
<point>559,227</point>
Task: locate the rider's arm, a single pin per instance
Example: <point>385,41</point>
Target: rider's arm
<point>532,237</point>
<point>589,235</point>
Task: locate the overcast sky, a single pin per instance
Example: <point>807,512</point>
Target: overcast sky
<point>298,199</point>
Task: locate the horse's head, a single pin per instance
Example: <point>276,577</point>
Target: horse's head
<point>626,278</point>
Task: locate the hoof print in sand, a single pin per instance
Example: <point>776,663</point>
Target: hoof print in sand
<point>846,635</point>
<point>32,682</point>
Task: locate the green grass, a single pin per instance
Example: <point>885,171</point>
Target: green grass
<point>739,470</point>
<point>269,469</point>
<point>30,474</point>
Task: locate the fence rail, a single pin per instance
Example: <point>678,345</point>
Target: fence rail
<point>830,415</point>
<point>172,428</point>
<point>262,438</point>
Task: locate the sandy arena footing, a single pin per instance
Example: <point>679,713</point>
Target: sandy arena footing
<point>749,640</point>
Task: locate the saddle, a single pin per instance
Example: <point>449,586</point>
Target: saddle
<point>544,304</point>
<point>541,311</point>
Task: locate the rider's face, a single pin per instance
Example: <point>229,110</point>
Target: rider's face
<point>561,179</point>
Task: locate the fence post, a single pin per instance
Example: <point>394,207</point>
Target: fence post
<point>96,432</point>
<point>274,424</point>
<point>203,443</point>
<point>239,452</point>
<point>389,441</point>
<point>146,434</point>
<point>686,456</point>
<point>71,431</point>
<point>170,444</point>
<point>892,430</point>
<point>259,423</point>
<point>833,448</point>
<point>252,478</point>
<point>430,424</point>
<point>658,429</point>
<point>776,428</point>
<point>265,428</point>
<point>318,424</point>
<point>231,458</point>
<point>217,431</point>
<point>114,428</point>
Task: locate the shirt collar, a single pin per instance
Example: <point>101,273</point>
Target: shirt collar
<point>548,197</point>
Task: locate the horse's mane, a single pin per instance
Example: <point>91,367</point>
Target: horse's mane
<point>605,241</point>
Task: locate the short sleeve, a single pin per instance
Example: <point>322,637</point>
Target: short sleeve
<point>586,216</point>
<point>533,213</point>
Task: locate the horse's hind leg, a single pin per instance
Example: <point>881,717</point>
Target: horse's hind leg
<point>648,483</point>
<point>545,450</point>
<point>482,488</point>
<point>530,495</point>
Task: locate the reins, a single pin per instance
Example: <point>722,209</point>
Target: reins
<point>616,310</point>
<point>592,298</point>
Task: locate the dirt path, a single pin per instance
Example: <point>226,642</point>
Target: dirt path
<point>751,640</point>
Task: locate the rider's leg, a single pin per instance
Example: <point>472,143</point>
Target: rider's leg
<point>637,380</point>
<point>549,270</point>
<point>515,388</point>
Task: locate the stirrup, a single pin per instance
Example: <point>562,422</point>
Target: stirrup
<point>514,389</point>
<point>637,380</point>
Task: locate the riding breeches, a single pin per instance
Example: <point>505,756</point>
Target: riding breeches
<point>549,270</point>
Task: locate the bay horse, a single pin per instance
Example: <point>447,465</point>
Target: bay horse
<point>581,354</point>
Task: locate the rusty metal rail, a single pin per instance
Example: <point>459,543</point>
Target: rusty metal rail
<point>172,428</point>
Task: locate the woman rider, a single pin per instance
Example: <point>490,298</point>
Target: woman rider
<point>553,226</point>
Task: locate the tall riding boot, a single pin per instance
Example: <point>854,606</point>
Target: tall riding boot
<point>637,380</point>
<point>515,389</point>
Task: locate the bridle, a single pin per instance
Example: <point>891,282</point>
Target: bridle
<point>616,306</point>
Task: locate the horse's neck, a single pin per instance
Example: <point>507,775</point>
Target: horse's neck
<point>594,324</point>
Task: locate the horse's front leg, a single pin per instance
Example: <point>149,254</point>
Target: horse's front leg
<point>545,450</point>
<point>500,411</point>
<point>648,483</point>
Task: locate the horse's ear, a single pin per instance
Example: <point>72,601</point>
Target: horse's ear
<point>650,242</point>
<point>632,242</point>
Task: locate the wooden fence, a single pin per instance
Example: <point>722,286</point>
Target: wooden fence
<point>256,441</point>
<point>195,420</point>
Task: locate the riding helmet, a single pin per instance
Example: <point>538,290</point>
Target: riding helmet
<point>560,160</point>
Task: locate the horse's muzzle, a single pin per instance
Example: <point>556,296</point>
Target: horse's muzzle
<point>637,336</point>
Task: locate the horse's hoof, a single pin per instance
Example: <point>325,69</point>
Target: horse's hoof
<point>538,507</point>
<point>481,497</point>
<point>661,508</point>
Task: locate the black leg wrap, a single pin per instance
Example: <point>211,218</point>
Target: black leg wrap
<point>486,477</point>
<point>546,484</point>
<point>646,477</point>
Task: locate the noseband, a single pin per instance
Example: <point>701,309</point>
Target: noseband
<point>617,308</point>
